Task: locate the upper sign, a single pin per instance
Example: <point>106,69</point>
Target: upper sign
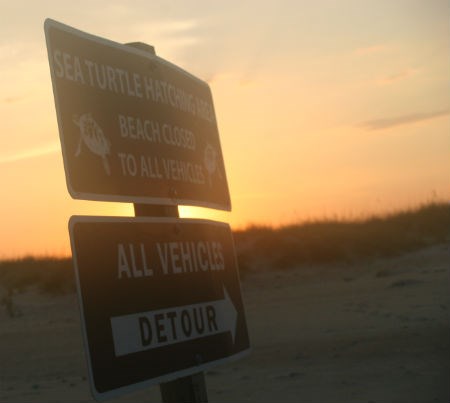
<point>133,127</point>
<point>160,298</point>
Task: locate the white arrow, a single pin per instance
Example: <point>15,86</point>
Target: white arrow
<point>153,329</point>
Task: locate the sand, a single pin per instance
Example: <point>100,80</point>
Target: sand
<point>375,331</point>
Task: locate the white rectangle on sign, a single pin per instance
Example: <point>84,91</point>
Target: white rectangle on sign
<point>148,330</point>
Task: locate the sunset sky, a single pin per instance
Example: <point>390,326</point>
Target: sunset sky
<point>325,108</point>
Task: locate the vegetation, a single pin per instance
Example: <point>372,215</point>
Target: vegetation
<point>50,275</point>
<point>307,243</point>
<point>343,241</point>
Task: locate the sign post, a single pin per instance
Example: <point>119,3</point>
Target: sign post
<point>160,299</point>
<point>159,296</point>
<point>133,127</point>
<point>189,388</point>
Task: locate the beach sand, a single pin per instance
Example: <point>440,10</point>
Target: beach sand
<point>375,331</point>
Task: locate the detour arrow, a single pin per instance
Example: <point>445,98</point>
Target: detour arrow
<point>149,330</point>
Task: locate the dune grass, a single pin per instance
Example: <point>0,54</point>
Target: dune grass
<point>318,242</point>
<point>343,241</point>
<point>50,275</point>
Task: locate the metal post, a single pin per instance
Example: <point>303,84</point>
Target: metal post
<point>189,389</point>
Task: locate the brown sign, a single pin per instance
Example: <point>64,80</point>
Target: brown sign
<point>160,299</point>
<point>133,127</point>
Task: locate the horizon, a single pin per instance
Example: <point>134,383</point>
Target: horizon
<point>386,217</point>
<point>323,110</point>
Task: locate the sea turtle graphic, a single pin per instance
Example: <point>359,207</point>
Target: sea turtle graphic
<point>210,161</point>
<point>93,137</point>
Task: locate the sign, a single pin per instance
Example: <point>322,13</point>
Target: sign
<point>133,127</point>
<point>160,299</point>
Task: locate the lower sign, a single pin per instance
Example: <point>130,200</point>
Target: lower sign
<point>160,299</point>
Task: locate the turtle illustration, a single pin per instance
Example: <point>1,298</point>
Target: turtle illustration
<point>210,161</point>
<point>93,137</point>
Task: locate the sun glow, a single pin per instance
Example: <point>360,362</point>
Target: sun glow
<point>320,113</point>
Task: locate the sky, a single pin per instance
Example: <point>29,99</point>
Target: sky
<point>326,109</point>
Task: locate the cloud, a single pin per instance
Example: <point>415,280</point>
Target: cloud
<point>166,30</point>
<point>170,36</point>
<point>392,78</point>
<point>12,99</point>
<point>30,153</point>
<point>386,123</point>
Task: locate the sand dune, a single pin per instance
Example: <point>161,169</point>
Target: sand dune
<point>376,331</point>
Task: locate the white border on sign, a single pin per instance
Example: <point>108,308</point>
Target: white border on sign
<point>129,49</point>
<point>164,378</point>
